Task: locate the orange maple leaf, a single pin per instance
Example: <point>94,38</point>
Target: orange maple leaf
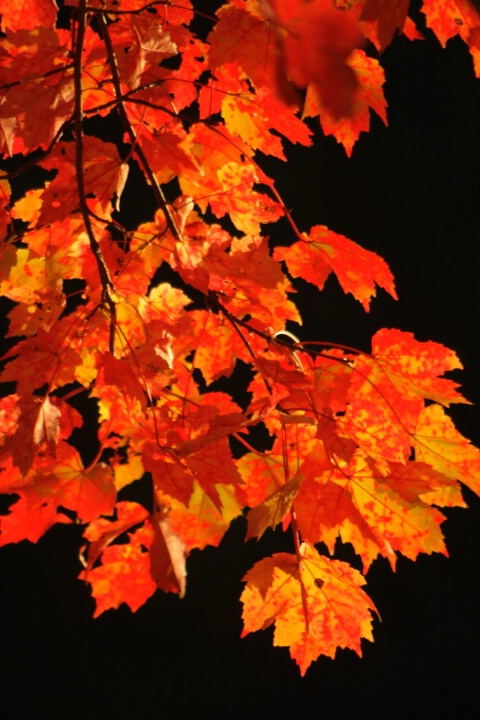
<point>377,513</point>
<point>105,176</point>
<point>201,522</point>
<point>29,522</point>
<point>246,39</point>
<point>34,109</point>
<point>30,423</point>
<point>124,575</point>
<point>358,270</point>
<point>55,483</point>
<point>131,572</point>
<point>102,531</point>
<point>91,319</point>
<point>273,509</point>
<point>439,443</point>
<point>387,390</point>
<point>455,17</point>
<point>317,604</point>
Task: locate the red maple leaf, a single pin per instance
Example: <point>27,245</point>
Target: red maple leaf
<point>390,15</point>
<point>316,41</point>
<point>28,15</point>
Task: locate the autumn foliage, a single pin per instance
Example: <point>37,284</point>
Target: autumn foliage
<point>145,320</point>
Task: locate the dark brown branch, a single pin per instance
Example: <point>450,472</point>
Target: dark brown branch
<point>38,78</point>
<point>137,150</point>
<point>150,5</point>
<point>105,279</point>
<point>130,97</point>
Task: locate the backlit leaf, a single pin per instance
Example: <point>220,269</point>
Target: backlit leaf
<point>145,303</point>
<point>368,95</point>
<point>357,270</point>
<point>317,604</point>
<point>273,509</point>
<point>438,443</point>
<point>28,14</point>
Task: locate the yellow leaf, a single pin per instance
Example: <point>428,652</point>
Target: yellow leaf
<point>317,604</point>
<point>438,443</point>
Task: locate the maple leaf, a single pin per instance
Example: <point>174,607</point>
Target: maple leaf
<point>148,44</point>
<point>226,180</point>
<point>245,38</point>
<point>357,270</point>
<point>254,118</point>
<point>170,475</point>
<point>390,15</point>
<point>359,446</point>
<point>33,279</point>
<point>88,491</point>
<point>162,139</point>
<point>53,483</point>
<point>316,40</point>
<point>201,522</point>
<point>438,443</point>
<point>386,392</point>
<point>101,532</point>
<point>35,361</point>
<point>124,575</point>
<point>28,15</point>
<point>131,572</point>
<point>35,109</point>
<point>262,473</point>
<point>35,282</point>
<point>31,423</point>
<point>317,604</point>
<point>368,94</point>
<point>419,363</point>
<point>375,512</point>
<point>206,460</point>
<point>27,522</point>
<point>247,277</point>
<point>218,346</point>
<point>455,17</point>
<point>105,176</point>
<point>272,510</point>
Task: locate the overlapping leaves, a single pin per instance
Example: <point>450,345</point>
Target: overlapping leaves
<point>361,448</point>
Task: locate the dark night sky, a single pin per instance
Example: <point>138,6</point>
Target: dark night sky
<point>411,193</point>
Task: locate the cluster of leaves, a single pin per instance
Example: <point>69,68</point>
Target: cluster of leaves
<point>360,448</point>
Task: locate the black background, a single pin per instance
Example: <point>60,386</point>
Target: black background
<point>411,193</point>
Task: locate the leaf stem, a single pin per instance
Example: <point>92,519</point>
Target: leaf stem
<point>298,553</point>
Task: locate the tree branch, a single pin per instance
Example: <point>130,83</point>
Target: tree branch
<point>105,279</point>
<point>158,192</point>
